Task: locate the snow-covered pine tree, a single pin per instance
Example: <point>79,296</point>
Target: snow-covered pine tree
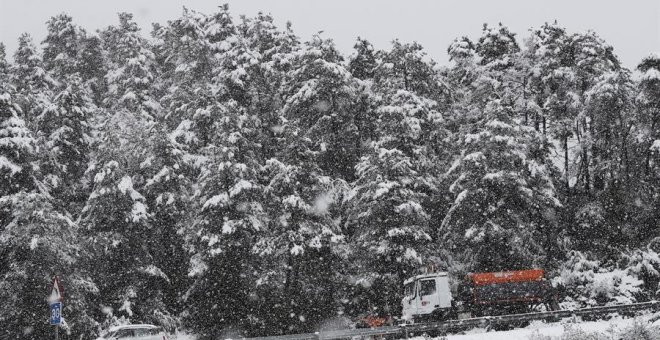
<point>62,46</point>
<point>503,216</point>
<point>118,230</point>
<point>36,243</point>
<point>592,58</point>
<point>407,67</point>
<point>121,239</point>
<point>92,67</point>
<point>185,59</point>
<point>132,70</point>
<point>4,66</point>
<point>363,63</point>
<point>554,85</point>
<point>462,53</point>
<point>320,102</point>
<point>388,226</point>
<point>65,135</point>
<point>34,238</point>
<point>497,46</point>
<point>647,146</point>
<point>498,52</point>
<point>229,218</point>
<point>167,189</point>
<point>301,247</point>
<point>264,89</point>
<point>17,146</point>
<point>609,106</point>
<point>649,102</point>
<point>33,84</point>
<point>607,216</point>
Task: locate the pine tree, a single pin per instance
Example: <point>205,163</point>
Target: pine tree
<point>229,219</point>
<point>17,146</point>
<point>593,58</point>
<point>265,90</point>
<point>363,64</point>
<point>503,216</point>
<point>302,243</point>
<point>647,146</point>
<point>388,224</point>
<point>33,84</point>
<point>462,52</point>
<point>62,46</point>
<point>610,105</point>
<point>118,229</point>
<point>555,85</point>
<point>496,75</point>
<point>66,140</point>
<point>185,58</point>
<point>120,239</point>
<point>133,70</point>
<point>92,67</point>
<point>320,103</point>
<point>496,46</point>
<point>408,67</point>
<point>167,189</point>
<point>649,100</point>
<point>37,243</point>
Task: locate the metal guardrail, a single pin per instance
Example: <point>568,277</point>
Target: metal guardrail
<point>458,325</point>
<point>304,336</point>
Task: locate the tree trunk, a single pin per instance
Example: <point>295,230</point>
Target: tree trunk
<point>587,176</point>
<point>536,122</point>
<point>544,127</point>
<point>566,175</point>
<point>648,152</point>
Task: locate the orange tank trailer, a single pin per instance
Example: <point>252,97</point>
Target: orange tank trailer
<point>482,279</point>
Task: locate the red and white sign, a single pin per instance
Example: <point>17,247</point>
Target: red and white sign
<point>56,291</point>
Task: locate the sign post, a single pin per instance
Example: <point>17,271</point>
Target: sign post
<point>56,316</point>
<point>55,301</point>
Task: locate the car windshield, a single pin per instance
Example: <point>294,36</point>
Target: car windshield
<point>108,334</point>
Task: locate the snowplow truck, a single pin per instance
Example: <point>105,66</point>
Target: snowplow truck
<point>428,297</point>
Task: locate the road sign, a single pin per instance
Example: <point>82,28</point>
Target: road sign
<point>56,291</point>
<point>56,313</point>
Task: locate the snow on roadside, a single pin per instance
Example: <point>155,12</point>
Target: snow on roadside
<point>541,330</point>
<point>182,336</point>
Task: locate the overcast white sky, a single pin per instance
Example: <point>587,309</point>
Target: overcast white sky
<point>631,26</point>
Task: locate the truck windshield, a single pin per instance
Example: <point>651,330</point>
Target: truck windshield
<point>427,287</point>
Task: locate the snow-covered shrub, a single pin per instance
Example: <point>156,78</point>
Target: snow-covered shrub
<point>591,220</point>
<point>571,332</point>
<point>574,332</point>
<point>645,265</point>
<point>589,282</point>
<point>640,330</point>
<point>538,336</point>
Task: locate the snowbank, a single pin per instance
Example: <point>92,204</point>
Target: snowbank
<point>611,329</point>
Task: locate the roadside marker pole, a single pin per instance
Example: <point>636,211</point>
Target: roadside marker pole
<point>55,302</point>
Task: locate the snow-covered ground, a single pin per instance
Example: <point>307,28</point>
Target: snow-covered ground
<point>610,329</point>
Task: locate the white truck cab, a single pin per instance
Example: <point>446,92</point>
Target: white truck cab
<point>426,297</point>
